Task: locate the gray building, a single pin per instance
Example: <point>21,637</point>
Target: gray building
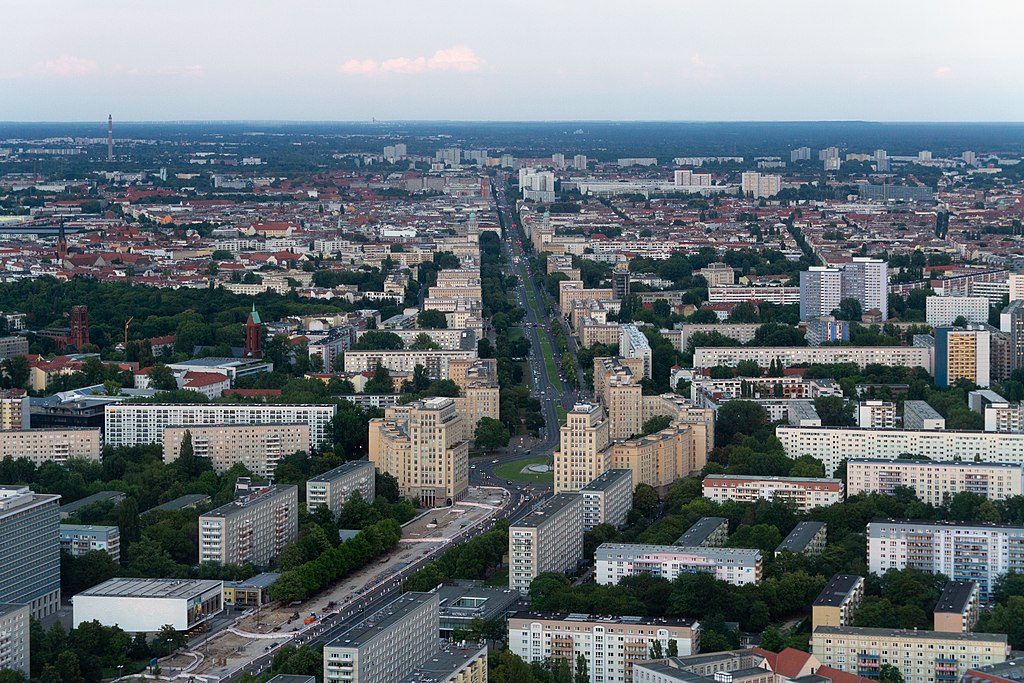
<point>30,557</point>
<point>14,625</point>
<point>13,346</point>
<point>73,508</point>
<point>707,532</point>
<point>920,415</point>
<point>806,537</point>
<point>906,193</point>
<point>78,539</point>
<point>253,528</point>
<point>461,604</point>
<point>607,499</point>
<point>334,487</point>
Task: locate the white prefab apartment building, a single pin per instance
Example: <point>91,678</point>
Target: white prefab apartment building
<point>614,561</point>
<point>549,539</point>
<point>252,529</point>
<point>146,605</point>
<point>806,493</point>
<point>334,487</point>
<point>941,311</point>
<point>14,624</point>
<point>934,482</point>
<point>862,356</point>
<point>131,424</point>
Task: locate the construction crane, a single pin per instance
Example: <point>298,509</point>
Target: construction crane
<point>126,324</point>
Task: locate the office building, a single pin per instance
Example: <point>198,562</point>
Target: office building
<point>14,638</point>
<point>549,539</point>
<point>958,607</point>
<point>423,445</point>
<point>467,601</point>
<point>838,601</point>
<point>804,493</point>
<point>50,445</point>
<point>620,283</point>
<point>806,538</point>
<point>583,452</point>
<point>862,356</point>
<point>607,499</point>
<point>718,274</point>
<point>146,605</point>
<point>387,645</point>
<point>614,561</point>
<point>961,551</point>
<point>133,424</point>
<point>256,447</point>
<point>920,415</point>
<point>942,311</point>
<point>934,482</point>
<point>661,458</point>
<point>252,529</point>
<point>920,656</point>
<point>30,561</point>
<point>610,645</point>
<point>876,415</point>
<point>832,445</point>
<point>706,532</point>
<point>633,344</point>
<point>78,539</point>
<point>334,487</point>
<point>434,361</point>
<point>962,354</point>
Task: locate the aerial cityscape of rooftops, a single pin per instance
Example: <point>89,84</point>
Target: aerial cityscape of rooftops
<point>522,402</point>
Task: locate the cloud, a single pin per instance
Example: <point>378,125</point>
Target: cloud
<point>942,72</point>
<point>457,58</point>
<point>699,69</point>
<point>66,66</point>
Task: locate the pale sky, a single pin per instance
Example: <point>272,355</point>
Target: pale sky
<point>350,60</point>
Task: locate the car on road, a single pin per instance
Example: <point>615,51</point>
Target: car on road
<point>494,462</point>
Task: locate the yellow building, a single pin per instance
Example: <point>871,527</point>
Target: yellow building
<point>582,454</point>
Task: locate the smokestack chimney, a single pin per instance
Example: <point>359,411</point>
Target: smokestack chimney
<point>110,137</point>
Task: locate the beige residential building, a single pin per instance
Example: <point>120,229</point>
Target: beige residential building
<point>333,488</point>
<point>14,409</point>
<point>934,482</point>
<point>838,601</point>
<point>608,499</point>
<point>958,607</point>
<point>423,445</point>
<point>684,412</point>
<point>252,529</point>
<point>468,371</point>
<point>50,445</point>
<point>583,448</point>
<point>14,628</point>
<point>573,290</point>
<point>435,361</point>
<point>661,458</point>
<point>617,388</point>
<point>258,447</point>
<point>920,656</point>
<point>549,539</point>
<point>805,493</point>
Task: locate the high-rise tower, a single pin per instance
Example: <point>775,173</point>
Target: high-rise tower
<point>79,327</point>
<point>110,137</point>
<point>254,335</point>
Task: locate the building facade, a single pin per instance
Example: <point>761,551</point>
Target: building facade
<point>333,488</point>
<point>805,493</point>
<point>30,561</point>
<point>583,453</point>
<point>258,447</point>
<point>862,356</point>
<point>934,482</point>
<point>14,638</point>
<point>146,605</point>
<point>607,499</point>
<point>253,529</point>
<point>78,539</point>
<point>549,539</point>
<point>50,445</point>
<point>615,561</point>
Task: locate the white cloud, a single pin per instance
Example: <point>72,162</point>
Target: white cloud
<point>457,58</point>
<point>66,66</point>
<point>943,72</point>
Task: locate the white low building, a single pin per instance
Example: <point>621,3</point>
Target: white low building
<point>146,605</point>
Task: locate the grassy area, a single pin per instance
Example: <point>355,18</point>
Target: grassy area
<point>512,471</point>
<point>560,411</point>
<point>499,580</point>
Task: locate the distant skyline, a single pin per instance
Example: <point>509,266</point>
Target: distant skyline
<point>326,60</point>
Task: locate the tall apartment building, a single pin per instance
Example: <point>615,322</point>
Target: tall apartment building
<point>942,311</point>
<point>718,274</point>
<point>825,328</point>
<point>661,458</point>
<point>607,499</point>
<point>800,154</point>
<point>1004,417</point>
<point>756,185</point>
<point>480,399</point>
<point>963,552</point>
<point>821,291</point>
<point>920,656</point>
<point>804,493</point>
<point>832,445</point>
<point>30,561</point>
<point>920,415</point>
<point>435,361</point>
<point>252,529</point>
<point>583,451</point>
<point>14,637</point>
<point>615,561</point>
<point>132,424</point>
<point>876,415</point>
<point>838,601</point>
<point>423,445</point>
<point>864,279</point>
<point>258,447</point>
<point>549,539</point>
<point>50,445</point>
<point>962,354</point>
<point>617,388</point>
<point>862,356</point>
<point>610,645</point>
<point>334,487</point>
<point>78,539</point>
<point>14,409</point>
<point>958,607</point>
<point>386,645</point>
<point>934,482</point>
<point>633,344</point>
<point>1011,321</point>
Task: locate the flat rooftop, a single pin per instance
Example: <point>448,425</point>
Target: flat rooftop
<point>444,663</point>
<point>153,588</point>
<point>836,590</point>
<point>599,618</point>
<point>101,496</point>
<point>956,597</point>
<point>701,530</point>
<point>802,534</point>
<point>182,502</point>
<point>551,507</point>
<point>254,498</point>
<point>637,549</point>
<point>83,528</point>
<point>7,608</point>
<point>911,634</point>
<point>608,479</point>
<point>342,470</point>
<point>367,628</point>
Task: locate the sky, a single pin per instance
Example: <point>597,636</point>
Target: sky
<point>351,60</point>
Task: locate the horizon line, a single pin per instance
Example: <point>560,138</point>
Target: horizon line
<point>520,121</point>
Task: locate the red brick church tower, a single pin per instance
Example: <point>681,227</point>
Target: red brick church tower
<point>253,335</point>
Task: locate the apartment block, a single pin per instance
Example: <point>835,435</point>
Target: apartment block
<point>132,424</point>
<point>435,362</point>
<point>862,356</point>
<point>721,390</point>
<point>833,445</point>
<point>633,344</point>
<point>661,458</point>
<point>614,561</point>
<point>807,538</point>
<point>607,499</point>
<point>78,539</point>
<point>962,354</point>
<point>14,638</point>
<point>334,487</point>
<point>30,561</point>
<point>920,415</point>
<point>698,418</point>
<point>386,645</point>
<point>617,388</point>
<point>876,414</point>
<point>942,311</point>
<point>549,539</point>
<point>735,294</point>
<point>706,532</point>
<point>934,482</point>
<point>610,645</point>
<point>717,274</point>
<point>453,663</point>
<point>14,409</point>
<point>50,445</point>
<point>583,448</point>
<point>825,328</point>
<point>574,290</point>
<point>252,529</point>
<point>423,445</point>
<point>920,656</point>
<point>479,400</point>
<point>820,291</point>
<point>838,601</point>
<point>805,493</point>
<point>258,447</point>
<point>467,372</point>
<point>1004,417</point>
<point>963,552</point>
<point>735,666</point>
<point>958,607</point>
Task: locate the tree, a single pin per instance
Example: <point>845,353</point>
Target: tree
<point>582,673</point>
<point>432,320</point>
<point>835,411</point>
<point>738,418</point>
<point>645,500</point>
<point>380,383</point>
<point>673,647</point>
<point>656,652</point>
<point>128,520</point>
<point>373,340</point>
<point>491,434</point>
<point>887,673</point>
<point>187,461</point>
<point>849,309</point>
<point>656,424</point>
<point>161,378</point>
<point>748,368</point>
<point>423,342</point>
<point>772,639</point>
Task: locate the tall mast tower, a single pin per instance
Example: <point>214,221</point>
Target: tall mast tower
<point>110,137</point>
